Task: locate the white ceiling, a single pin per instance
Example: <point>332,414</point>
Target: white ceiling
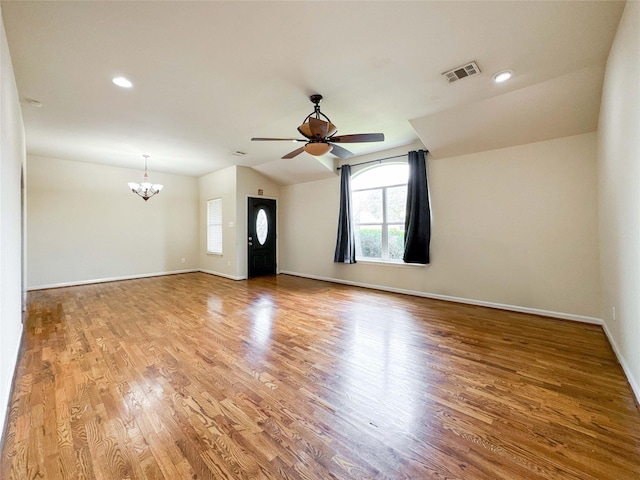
<point>208,76</point>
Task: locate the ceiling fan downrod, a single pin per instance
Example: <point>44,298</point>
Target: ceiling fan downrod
<point>316,98</point>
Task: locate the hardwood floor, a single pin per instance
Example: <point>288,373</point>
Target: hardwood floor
<point>198,377</point>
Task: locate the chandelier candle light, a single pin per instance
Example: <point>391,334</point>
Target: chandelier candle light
<point>145,189</point>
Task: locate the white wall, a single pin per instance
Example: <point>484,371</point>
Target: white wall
<point>619,193</point>
<point>515,226</point>
<point>84,224</point>
<point>12,158</point>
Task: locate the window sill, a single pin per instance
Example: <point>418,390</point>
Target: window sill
<point>387,263</point>
<point>215,254</point>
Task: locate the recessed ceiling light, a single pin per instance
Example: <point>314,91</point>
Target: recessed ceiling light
<point>122,82</point>
<point>502,76</point>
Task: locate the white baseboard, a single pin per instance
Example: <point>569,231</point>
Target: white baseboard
<point>468,301</point>
<point>220,274</point>
<point>635,386</point>
<point>110,279</point>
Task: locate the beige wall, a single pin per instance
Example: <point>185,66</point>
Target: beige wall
<point>515,226</point>
<point>234,185</point>
<point>249,182</point>
<point>80,233</point>
<point>84,224</point>
<point>619,193</point>
<point>220,184</point>
<point>12,159</point>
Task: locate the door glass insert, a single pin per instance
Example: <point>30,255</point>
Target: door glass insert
<point>262,226</point>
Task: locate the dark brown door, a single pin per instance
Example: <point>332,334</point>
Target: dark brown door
<point>262,237</point>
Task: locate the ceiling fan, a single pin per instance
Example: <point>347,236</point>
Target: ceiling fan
<point>320,135</point>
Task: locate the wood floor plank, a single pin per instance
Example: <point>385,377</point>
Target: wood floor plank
<point>198,377</point>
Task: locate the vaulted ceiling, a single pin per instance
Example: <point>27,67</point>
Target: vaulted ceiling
<point>208,76</point>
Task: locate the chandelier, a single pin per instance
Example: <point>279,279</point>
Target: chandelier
<point>145,189</point>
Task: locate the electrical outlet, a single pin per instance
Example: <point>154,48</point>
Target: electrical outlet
<point>228,263</point>
<point>184,260</point>
<point>613,312</point>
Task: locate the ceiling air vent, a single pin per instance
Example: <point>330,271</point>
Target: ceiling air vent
<point>457,73</point>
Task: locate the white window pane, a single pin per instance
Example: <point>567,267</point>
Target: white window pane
<point>367,206</point>
<point>395,241</point>
<point>214,211</point>
<point>214,241</point>
<point>369,241</point>
<point>381,176</point>
<point>396,204</point>
<point>214,225</point>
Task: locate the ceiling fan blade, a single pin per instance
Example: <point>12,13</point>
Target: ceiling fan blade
<point>295,153</point>
<point>260,139</point>
<point>359,137</point>
<point>340,152</point>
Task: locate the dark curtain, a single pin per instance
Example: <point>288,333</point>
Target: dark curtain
<point>417,224</point>
<point>346,241</point>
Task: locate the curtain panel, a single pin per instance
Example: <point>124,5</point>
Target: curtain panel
<point>346,241</point>
<point>417,225</point>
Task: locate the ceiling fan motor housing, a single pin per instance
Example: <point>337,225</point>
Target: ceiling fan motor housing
<point>317,129</point>
<point>321,135</point>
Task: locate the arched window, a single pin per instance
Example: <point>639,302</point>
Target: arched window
<point>379,197</point>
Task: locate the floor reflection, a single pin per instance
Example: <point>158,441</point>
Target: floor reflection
<point>261,313</point>
<point>379,367</point>
<point>214,304</point>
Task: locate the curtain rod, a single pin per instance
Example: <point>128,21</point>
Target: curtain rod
<point>374,161</point>
<point>378,160</point>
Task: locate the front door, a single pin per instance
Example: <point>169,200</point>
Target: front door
<point>262,237</point>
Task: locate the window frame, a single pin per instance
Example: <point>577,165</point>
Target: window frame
<point>214,226</point>
<point>384,224</point>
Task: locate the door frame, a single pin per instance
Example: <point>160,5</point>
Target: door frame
<point>246,232</point>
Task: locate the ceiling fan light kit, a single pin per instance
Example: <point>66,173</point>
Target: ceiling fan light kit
<point>320,137</point>
<point>317,149</point>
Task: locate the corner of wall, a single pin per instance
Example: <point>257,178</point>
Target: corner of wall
<point>618,201</point>
<point>12,161</point>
